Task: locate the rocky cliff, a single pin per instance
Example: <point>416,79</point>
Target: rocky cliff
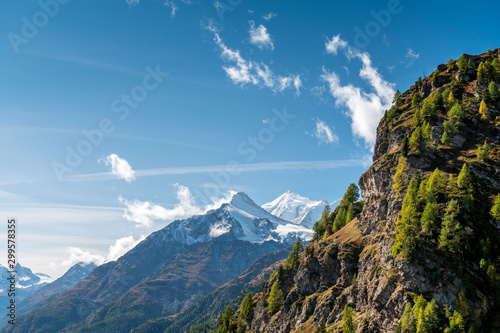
<point>428,237</point>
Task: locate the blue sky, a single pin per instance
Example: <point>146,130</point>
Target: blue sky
<point>208,84</point>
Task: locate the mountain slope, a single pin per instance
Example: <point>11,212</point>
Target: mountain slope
<point>424,252</point>
<point>72,277</point>
<point>168,271</point>
<point>204,313</point>
<point>300,210</point>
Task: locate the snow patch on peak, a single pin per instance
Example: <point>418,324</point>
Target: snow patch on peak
<point>297,209</point>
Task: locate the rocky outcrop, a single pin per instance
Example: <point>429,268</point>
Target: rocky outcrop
<point>324,283</point>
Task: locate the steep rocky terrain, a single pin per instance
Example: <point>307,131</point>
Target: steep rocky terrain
<point>424,253</point>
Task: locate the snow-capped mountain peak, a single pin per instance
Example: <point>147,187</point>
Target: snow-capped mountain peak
<point>240,219</point>
<point>297,209</point>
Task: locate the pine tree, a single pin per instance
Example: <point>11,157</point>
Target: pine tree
<point>445,138</point>
<point>486,97</point>
<point>495,210</point>
<point>483,152</point>
<point>417,118</point>
<point>434,185</point>
<point>396,101</point>
<point>452,234</point>
<point>350,196</point>
<point>496,68</point>
<point>430,219</point>
<point>462,62</point>
<point>348,323</point>
<point>456,113</point>
<point>404,147</point>
<point>426,132</point>
<point>408,227</point>
<point>407,323</point>
<point>457,323</point>
<point>494,92</point>
<point>226,324</point>
<point>431,319</point>
<point>462,306</point>
<point>416,100</point>
<point>417,140</point>
<point>482,74</point>
<point>483,110</point>
<point>275,299</point>
<point>464,177</point>
<point>419,313</point>
<point>292,262</point>
<point>247,308</point>
<point>350,214</point>
<point>340,220</point>
<point>470,64</point>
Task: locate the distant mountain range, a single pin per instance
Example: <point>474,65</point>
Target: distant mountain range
<point>172,268</point>
<point>27,283</point>
<point>300,210</point>
<point>71,278</point>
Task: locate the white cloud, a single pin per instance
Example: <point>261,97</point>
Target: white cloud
<point>412,54</point>
<point>260,37</point>
<point>144,213</point>
<point>119,167</point>
<point>172,6</point>
<point>269,16</point>
<point>122,246</point>
<point>132,2</point>
<point>324,133</point>
<point>241,71</point>
<point>364,108</point>
<point>77,255</point>
<point>332,46</point>
<point>116,250</point>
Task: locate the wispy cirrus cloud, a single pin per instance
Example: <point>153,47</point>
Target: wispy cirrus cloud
<point>242,71</point>
<point>241,168</point>
<point>324,133</point>
<point>364,108</point>
<point>260,37</point>
<point>269,16</point>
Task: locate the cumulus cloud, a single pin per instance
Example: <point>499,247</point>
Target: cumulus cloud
<point>132,2</point>
<point>269,16</point>
<point>122,246</point>
<point>144,213</point>
<point>242,72</point>
<point>116,250</point>
<point>324,133</point>
<point>332,46</point>
<point>119,167</point>
<point>364,108</point>
<point>260,37</point>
